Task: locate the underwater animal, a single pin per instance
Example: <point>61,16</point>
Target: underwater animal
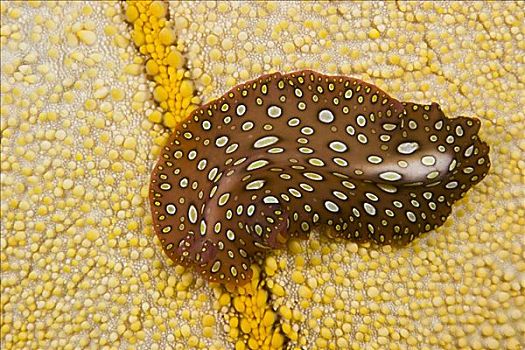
<point>279,155</point>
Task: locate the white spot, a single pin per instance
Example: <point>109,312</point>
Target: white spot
<point>257,164</point>
<point>298,92</point>
<point>451,185</point>
<point>397,204</point>
<point>171,209</point>
<point>428,160</point>
<point>294,122</point>
<point>349,93</point>
<point>223,199</point>
<point>411,216</point>
<point>389,126</point>
<point>316,162</point>
<point>294,192</point>
<point>216,266</point>
<point>275,150</point>
<point>362,138</point>
<point>340,195</point>
<point>350,130</point>
<point>348,184</point>
<point>302,140</point>
<point>206,125</point>
<point>408,147</point>
<point>387,188</point>
<point>221,141</point>
<point>212,173</point>
<point>390,176</point>
<point>361,120</point>
<point>375,159</point>
<point>432,175</point>
<point>258,230</point>
<point>255,185</point>
<point>307,131</point>
<point>340,161</point>
<point>265,141</point>
<point>192,214</point>
<point>165,186</point>
<point>192,154</point>
<point>202,164</point>
<point>468,151</point>
<point>369,208</point>
<point>371,196</point>
<point>331,206</point>
<point>231,235</point>
<point>247,126</point>
<point>304,226</point>
<point>459,130</point>
<point>306,150</point>
<point>240,208</point>
<point>274,111</point>
<point>270,200</point>
<point>250,210</point>
<point>232,148</point>
<point>402,163</point>
<point>306,187</point>
<point>326,116</point>
<point>313,176</point>
<point>241,109</point>
<point>427,195</point>
<point>338,146</point>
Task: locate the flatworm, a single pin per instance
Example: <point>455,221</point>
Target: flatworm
<point>281,154</point>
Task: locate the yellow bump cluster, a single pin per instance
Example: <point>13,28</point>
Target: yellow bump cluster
<point>80,264</point>
<point>155,37</point>
<point>465,280</point>
<point>251,323</point>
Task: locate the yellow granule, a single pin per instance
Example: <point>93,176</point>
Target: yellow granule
<point>155,37</point>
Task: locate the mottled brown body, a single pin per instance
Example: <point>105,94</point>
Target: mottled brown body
<point>278,155</point>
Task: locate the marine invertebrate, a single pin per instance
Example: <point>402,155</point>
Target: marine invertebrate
<point>281,154</point>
